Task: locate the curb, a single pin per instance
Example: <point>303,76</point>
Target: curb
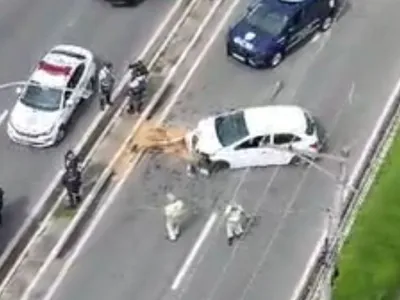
<point>83,149</point>
<point>361,180</point>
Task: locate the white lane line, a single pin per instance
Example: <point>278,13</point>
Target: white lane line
<point>211,221</point>
<point>309,267</point>
<point>3,116</point>
<point>207,229</point>
<point>360,165</point>
<point>351,93</point>
<point>36,210</point>
<point>193,253</point>
<point>111,198</point>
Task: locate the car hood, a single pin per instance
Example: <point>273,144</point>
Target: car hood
<point>260,39</point>
<point>29,120</point>
<point>207,140</point>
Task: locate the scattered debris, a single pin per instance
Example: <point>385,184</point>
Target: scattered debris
<point>166,139</point>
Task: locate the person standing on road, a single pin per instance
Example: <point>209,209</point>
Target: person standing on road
<point>71,161</point>
<point>174,212</point>
<point>72,183</point>
<point>137,86</point>
<point>236,218</point>
<point>106,84</point>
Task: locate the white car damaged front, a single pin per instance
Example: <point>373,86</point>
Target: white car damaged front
<point>204,139</point>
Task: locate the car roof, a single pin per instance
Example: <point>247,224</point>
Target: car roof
<point>288,7</point>
<point>55,68</point>
<point>275,119</point>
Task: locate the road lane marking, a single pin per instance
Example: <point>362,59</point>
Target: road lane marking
<point>279,86</point>
<point>258,205</point>
<point>351,93</point>
<point>93,126</point>
<point>309,267</point>
<point>3,116</point>
<point>111,198</point>
<point>356,174</point>
<point>193,253</point>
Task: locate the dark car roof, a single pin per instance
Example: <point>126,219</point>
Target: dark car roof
<point>288,7</point>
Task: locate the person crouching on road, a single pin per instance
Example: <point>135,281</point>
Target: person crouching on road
<point>174,212</point>
<point>236,218</point>
<point>72,183</point>
<point>200,164</point>
<point>106,84</point>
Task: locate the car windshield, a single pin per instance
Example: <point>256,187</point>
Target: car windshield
<point>267,19</point>
<point>231,128</point>
<point>43,98</point>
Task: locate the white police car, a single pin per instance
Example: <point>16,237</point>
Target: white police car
<point>271,28</point>
<point>64,76</point>
<point>256,137</point>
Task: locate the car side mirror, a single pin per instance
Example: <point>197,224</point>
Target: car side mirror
<point>290,147</point>
<point>18,90</point>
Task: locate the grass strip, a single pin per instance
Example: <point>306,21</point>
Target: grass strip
<point>369,263</point>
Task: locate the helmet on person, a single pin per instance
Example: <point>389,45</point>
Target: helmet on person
<point>231,208</point>
<point>70,155</point>
<point>171,198</point>
<point>108,65</point>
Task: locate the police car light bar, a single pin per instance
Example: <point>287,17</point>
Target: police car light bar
<point>54,69</point>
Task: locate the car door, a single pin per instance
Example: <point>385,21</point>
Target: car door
<point>285,141</point>
<point>316,11</point>
<point>249,153</point>
<point>73,94</point>
<point>304,23</point>
<point>295,32</point>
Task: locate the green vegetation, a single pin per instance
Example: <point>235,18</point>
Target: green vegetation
<point>370,260</point>
<point>62,212</point>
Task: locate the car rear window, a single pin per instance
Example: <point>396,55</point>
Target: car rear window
<point>70,54</point>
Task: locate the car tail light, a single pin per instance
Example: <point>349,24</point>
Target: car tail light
<point>314,146</point>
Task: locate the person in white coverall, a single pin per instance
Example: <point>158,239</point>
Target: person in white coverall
<point>236,218</point>
<point>174,213</point>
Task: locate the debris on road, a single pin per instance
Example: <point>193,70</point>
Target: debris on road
<point>165,139</point>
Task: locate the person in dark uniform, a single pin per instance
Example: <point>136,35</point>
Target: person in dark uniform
<point>106,84</point>
<point>72,178</point>
<point>1,206</point>
<point>137,86</point>
<point>138,69</point>
<point>72,183</point>
<point>72,161</point>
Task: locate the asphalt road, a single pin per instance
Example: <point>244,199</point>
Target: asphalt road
<point>344,78</point>
<point>27,30</point>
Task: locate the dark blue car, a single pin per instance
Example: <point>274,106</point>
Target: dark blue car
<point>271,28</point>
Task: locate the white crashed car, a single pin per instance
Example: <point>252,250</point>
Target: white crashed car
<point>62,78</point>
<point>256,136</point>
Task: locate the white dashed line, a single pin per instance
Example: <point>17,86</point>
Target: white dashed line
<point>3,116</point>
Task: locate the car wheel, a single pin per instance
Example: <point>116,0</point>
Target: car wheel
<point>276,59</point>
<point>326,23</point>
<point>228,51</point>
<point>61,134</point>
<point>220,166</point>
<point>295,161</point>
